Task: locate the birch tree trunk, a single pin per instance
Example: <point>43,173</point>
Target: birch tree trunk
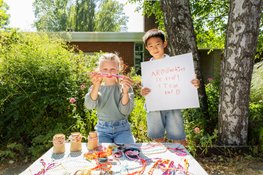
<point>181,38</point>
<point>236,70</point>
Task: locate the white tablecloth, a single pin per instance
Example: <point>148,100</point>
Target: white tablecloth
<point>69,162</point>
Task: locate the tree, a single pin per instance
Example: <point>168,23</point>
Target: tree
<point>110,17</point>
<point>85,15</point>
<point>209,20</point>
<point>181,38</point>
<point>3,15</point>
<point>79,15</point>
<point>236,70</point>
<point>51,15</point>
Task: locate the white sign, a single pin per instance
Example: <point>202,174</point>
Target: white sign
<point>170,82</point>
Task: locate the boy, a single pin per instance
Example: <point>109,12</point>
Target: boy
<point>167,121</point>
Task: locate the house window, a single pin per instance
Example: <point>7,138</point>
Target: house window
<point>138,57</point>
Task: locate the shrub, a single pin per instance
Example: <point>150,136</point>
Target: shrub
<point>255,127</point>
<point>257,83</point>
<point>202,131</point>
<point>39,74</point>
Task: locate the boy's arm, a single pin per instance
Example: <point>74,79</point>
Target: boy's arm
<point>195,82</point>
<point>145,91</point>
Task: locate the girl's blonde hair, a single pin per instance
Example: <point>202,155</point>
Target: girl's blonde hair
<point>110,57</point>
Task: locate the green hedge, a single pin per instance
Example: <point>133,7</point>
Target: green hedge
<point>39,76</point>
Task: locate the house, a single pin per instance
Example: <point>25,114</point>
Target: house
<point>128,45</point>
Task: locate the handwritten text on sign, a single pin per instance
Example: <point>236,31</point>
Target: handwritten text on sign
<point>170,82</point>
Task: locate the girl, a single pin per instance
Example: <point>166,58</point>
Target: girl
<point>113,98</point>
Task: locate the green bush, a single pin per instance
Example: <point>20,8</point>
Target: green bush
<point>257,83</point>
<point>39,75</point>
<point>255,127</point>
<point>201,130</point>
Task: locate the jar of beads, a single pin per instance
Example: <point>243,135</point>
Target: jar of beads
<point>58,143</point>
<point>75,142</point>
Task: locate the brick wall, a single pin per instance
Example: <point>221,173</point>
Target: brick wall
<point>124,49</point>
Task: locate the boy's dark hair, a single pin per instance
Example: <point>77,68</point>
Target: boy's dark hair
<point>153,33</point>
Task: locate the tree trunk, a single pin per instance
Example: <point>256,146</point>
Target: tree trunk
<point>181,38</point>
<point>236,70</point>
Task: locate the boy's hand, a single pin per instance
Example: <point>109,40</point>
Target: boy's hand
<point>145,91</point>
<point>195,82</point>
<point>96,78</point>
<point>126,83</point>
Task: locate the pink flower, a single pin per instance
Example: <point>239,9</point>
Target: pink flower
<point>197,130</point>
<point>210,79</point>
<point>72,100</point>
<point>83,86</point>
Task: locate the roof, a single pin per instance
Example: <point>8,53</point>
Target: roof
<point>102,36</point>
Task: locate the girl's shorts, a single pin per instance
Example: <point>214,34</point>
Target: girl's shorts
<point>114,132</point>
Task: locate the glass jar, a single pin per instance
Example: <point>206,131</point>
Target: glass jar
<point>58,143</point>
<point>93,141</point>
<point>75,142</point>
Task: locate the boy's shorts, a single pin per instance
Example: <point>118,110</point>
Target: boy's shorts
<point>169,122</point>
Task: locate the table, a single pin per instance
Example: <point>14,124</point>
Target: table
<point>158,158</point>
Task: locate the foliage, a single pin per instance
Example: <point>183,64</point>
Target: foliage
<point>151,8</point>
<point>84,15</point>
<point>110,17</point>
<point>257,83</point>
<point>255,136</point>
<point>200,130</point>
<point>256,108</point>
<point>210,19</point>
<point>3,14</point>
<point>212,91</point>
<point>11,151</point>
<point>80,15</point>
<point>138,115</point>
<point>259,55</point>
<point>138,121</point>
<point>39,76</point>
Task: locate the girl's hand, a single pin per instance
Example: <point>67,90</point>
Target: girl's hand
<point>96,78</point>
<point>145,91</point>
<point>195,82</point>
<point>126,83</point>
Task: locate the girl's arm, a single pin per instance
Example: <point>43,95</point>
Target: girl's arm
<point>127,96</point>
<point>94,92</point>
<point>89,103</point>
<point>91,98</point>
<point>126,84</point>
<point>127,108</point>
<point>96,80</point>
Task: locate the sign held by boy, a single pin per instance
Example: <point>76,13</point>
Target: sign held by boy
<point>170,83</point>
